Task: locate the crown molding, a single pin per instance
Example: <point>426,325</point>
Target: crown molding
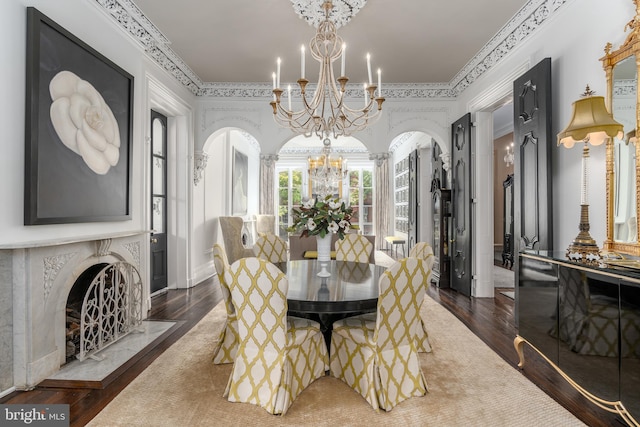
<point>133,22</point>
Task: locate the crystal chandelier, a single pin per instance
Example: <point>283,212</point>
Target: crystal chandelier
<point>508,158</point>
<point>325,112</point>
<point>327,171</point>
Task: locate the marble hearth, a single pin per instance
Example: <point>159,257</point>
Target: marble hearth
<point>35,280</point>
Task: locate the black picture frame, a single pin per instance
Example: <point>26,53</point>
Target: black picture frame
<point>240,182</point>
<point>60,186</point>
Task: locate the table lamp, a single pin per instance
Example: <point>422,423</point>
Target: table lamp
<point>591,123</point>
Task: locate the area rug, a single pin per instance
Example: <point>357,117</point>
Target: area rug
<point>469,385</point>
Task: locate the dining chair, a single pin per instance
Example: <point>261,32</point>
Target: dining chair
<point>354,247</point>
<point>271,248</point>
<point>278,355</point>
<point>377,356</point>
<point>424,251</point>
<point>231,227</point>
<point>228,339</point>
<point>265,224</point>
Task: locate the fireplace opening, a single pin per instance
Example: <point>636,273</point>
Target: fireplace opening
<point>104,304</point>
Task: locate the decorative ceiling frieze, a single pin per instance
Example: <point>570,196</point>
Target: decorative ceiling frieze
<point>313,12</point>
<point>157,47</point>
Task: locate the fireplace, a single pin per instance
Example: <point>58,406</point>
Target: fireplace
<point>41,278</point>
<point>104,305</point>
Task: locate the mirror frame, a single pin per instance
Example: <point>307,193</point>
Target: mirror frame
<point>629,48</point>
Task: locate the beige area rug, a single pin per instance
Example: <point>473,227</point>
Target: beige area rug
<point>469,385</point>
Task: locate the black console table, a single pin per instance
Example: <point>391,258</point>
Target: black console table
<point>585,321</point>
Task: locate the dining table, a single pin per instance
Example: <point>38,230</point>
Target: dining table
<point>345,289</point>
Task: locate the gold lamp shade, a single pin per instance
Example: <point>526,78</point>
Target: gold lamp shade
<point>590,122</point>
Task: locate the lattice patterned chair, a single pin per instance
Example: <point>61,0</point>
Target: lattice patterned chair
<point>270,248</point>
<point>424,251</point>
<point>378,357</point>
<point>278,355</point>
<point>354,247</point>
<point>228,339</point>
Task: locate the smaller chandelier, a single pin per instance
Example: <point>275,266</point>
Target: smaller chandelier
<point>327,171</point>
<point>325,113</point>
<point>508,158</point>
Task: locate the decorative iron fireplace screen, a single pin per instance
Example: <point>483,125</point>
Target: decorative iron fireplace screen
<point>112,308</point>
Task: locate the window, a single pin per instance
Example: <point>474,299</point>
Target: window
<point>361,198</point>
<point>289,196</point>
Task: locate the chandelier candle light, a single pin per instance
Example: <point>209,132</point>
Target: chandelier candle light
<point>326,113</point>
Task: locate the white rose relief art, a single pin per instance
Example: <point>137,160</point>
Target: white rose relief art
<point>84,122</point>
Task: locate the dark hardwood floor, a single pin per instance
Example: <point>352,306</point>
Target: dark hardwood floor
<point>491,319</point>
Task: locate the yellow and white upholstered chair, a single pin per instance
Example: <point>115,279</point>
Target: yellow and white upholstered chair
<point>278,355</point>
<point>377,356</point>
<point>270,248</point>
<point>424,251</point>
<point>354,247</point>
<point>228,340</point>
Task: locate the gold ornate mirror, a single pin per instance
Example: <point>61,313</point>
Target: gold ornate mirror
<point>623,169</point>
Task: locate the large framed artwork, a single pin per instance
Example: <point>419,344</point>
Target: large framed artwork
<point>239,178</point>
<point>78,130</point>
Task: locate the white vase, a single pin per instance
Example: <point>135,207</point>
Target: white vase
<point>324,248</point>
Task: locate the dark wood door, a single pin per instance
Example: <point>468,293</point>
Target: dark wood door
<point>414,208</point>
<point>158,245</point>
<point>532,163</point>
<point>461,237</point>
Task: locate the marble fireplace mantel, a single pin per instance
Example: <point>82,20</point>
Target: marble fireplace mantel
<point>35,280</point>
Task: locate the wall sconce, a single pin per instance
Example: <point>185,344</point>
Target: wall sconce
<point>590,123</point>
<point>508,158</point>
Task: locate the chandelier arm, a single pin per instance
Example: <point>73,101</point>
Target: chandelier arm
<point>325,112</point>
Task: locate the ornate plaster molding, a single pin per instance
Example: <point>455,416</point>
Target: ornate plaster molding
<point>52,266</point>
<point>134,250</point>
<point>400,140</point>
<point>269,159</point>
<point>239,114</point>
<point>379,158</point>
<point>532,15</point>
<point>342,12</point>
<point>200,159</point>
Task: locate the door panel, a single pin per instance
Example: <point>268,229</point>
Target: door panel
<point>158,244</point>
<point>532,166</point>
<point>532,163</point>
<point>461,242</point>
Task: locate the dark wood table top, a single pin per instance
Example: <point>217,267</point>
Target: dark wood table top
<point>351,286</point>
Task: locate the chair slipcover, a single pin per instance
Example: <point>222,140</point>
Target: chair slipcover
<point>265,224</point>
<point>377,357</point>
<point>271,248</point>
<point>278,355</point>
<point>231,227</point>
<point>354,247</point>
<point>424,251</point>
<point>228,339</point>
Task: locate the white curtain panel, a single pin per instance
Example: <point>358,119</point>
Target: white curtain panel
<point>267,176</point>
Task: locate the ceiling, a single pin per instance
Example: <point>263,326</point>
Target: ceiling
<point>411,41</point>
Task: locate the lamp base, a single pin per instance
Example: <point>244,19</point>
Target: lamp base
<point>584,249</point>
